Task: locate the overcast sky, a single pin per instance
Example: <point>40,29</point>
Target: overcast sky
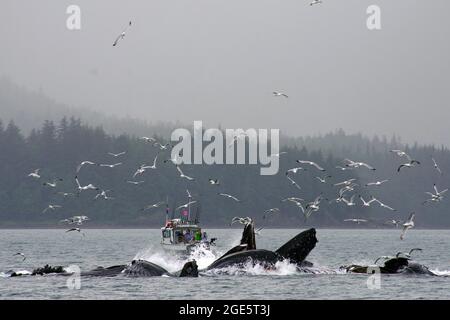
<point>219,61</point>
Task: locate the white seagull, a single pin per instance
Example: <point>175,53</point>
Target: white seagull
<point>122,35</point>
<point>51,207</point>
<point>135,182</point>
<point>358,221</point>
<point>156,205</point>
<point>182,175</point>
<point>384,205</point>
<point>315,2</point>
<point>311,163</point>
<point>35,174</point>
<point>355,164</point>
<point>186,205</point>
<point>243,221</point>
<point>111,165</point>
<point>293,182</point>
<point>82,164</point>
<point>435,197</point>
<point>115,155</point>
<point>280,94</point>
<point>376,183</point>
<point>103,195</point>
<point>367,203</point>
<point>435,165</point>
<point>323,179</point>
<point>229,196</point>
<point>407,225</point>
<point>52,184</point>
<point>90,186</point>
<point>345,183</point>
<point>214,182</point>
<point>294,170</point>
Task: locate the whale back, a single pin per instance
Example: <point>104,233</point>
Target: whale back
<point>298,248</point>
<point>142,268</point>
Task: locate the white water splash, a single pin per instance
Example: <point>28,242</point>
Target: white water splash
<point>172,262</point>
<point>441,272</point>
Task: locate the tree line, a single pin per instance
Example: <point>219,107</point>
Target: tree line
<point>57,148</point>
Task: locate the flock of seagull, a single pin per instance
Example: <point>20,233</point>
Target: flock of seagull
<point>348,186</point>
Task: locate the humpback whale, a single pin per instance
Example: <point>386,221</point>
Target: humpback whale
<point>295,250</point>
<point>394,265</point>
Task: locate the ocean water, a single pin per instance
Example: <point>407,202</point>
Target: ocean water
<point>119,246</point>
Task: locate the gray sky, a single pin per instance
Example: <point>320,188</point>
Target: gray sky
<point>219,61</point>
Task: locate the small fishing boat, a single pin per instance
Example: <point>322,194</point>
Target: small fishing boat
<point>184,234</point>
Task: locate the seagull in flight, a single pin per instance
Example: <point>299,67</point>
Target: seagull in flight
<point>345,183</point>
<point>400,153</point>
<point>52,184</point>
<point>367,203</point>
<point>407,255</point>
<point>103,195</point>
<point>315,2</point>
<point>214,182</point>
<point>323,179</point>
<point>358,221</point>
<point>311,163</point>
<point>384,205</point>
<point>142,169</point>
<point>90,186</point>
<point>243,221</point>
<point>35,174</point>
<point>21,254</point>
<point>293,182</point>
<point>294,170</point>
<point>162,146</point>
<point>271,211</point>
<point>111,165</point>
<point>152,206</point>
<point>66,194</point>
<point>182,175</point>
<point>51,207</point>
<point>410,164</point>
<point>280,94</point>
<point>135,182</point>
<point>437,196</point>
<point>147,139</point>
<point>229,196</point>
<point>407,225</point>
<point>186,205</point>
<point>296,201</point>
<point>435,165</point>
<point>376,183</point>
<point>355,164</point>
<point>343,168</point>
<point>84,163</point>
<point>115,155</point>
<point>350,202</point>
<point>122,35</point>
<point>312,207</point>
<point>75,219</point>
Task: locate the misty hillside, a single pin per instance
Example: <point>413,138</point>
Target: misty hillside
<point>58,147</point>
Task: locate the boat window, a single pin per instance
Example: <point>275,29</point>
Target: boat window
<point>166,233</point>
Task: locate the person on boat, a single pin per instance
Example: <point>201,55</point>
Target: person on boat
<point>204,237</point>
<point>188,236</point>
<point>198,236</point>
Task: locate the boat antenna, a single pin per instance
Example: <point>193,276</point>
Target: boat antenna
<point>167,209</point>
